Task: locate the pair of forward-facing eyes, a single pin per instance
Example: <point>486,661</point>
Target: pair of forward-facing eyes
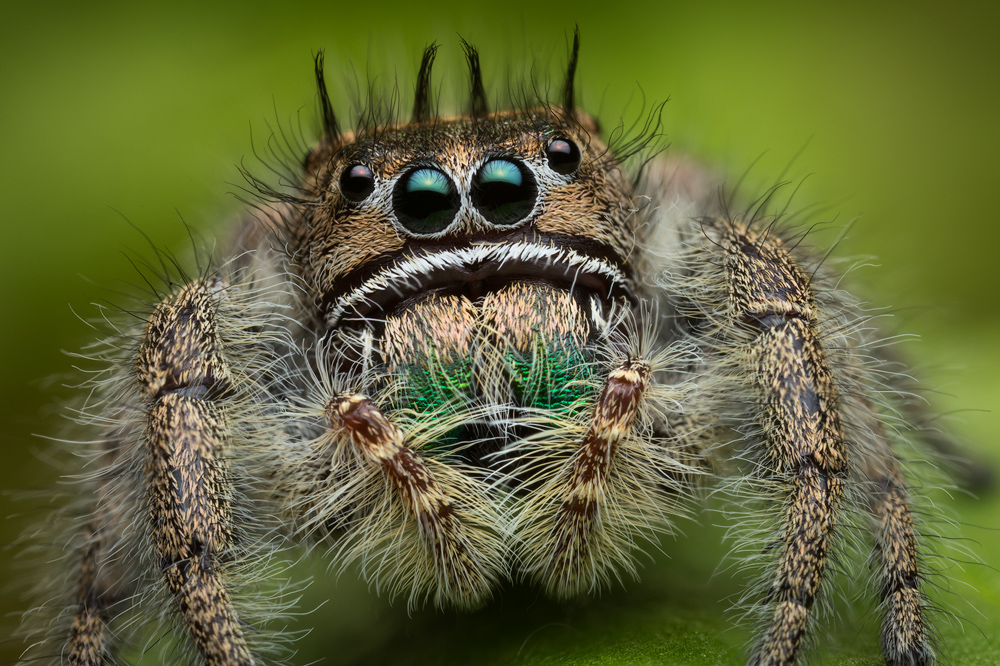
<point>425,200</point>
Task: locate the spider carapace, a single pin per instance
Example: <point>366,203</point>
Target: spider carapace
<point>463,351</point>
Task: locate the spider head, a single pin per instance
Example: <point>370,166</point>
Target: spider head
<point>465,204</point>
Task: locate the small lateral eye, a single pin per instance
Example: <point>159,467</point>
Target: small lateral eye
<point>563,156</point>
<point>504,191</point>
<point>357,182</point>
<point>425,201</point>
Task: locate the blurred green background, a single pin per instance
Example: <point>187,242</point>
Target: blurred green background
<point>127,110</point>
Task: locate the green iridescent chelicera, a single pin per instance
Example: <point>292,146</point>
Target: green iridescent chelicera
<point>435,387</point>
<point>552,378</point>
<point>431,387</point>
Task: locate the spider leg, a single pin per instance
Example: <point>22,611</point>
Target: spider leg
<point>905,639</point>
<point>169,522</point>
<point>185,378</point>
<point>771,319</point>
<point>569,557</point>
<point>757,313</point>
<point>90,639</point>
<point>97,582</point>
<point>457,556</point>
<point>905,636</point>
<point>804,449</point>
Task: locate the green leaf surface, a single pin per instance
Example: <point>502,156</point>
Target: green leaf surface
<point>678,614</point>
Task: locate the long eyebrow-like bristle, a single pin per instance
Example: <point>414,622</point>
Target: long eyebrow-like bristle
<point>330,127</point>
<point>478,106</point>
<point>569,103</point>
<point>422,97</point>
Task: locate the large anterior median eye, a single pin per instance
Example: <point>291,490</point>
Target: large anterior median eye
<point>425,201</point>
<point>504,191</point>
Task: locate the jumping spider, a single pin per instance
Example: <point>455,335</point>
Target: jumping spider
<point>469,350</point>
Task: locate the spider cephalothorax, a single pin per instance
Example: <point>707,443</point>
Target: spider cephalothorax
<point>468,350</point>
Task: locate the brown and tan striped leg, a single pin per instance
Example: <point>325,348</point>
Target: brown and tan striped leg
<point>185,377</point>
<point>572,560</point>
<point>90,641</point>
<point>905,640</point>
<point>101,582</point>
<point>905,634</point>
<point>773,314</point>
<point>456,548</point>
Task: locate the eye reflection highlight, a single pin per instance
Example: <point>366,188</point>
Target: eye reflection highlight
<point>428,180</point>
<point>500,171</point>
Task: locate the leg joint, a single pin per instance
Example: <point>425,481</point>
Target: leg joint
<point>766,319</point>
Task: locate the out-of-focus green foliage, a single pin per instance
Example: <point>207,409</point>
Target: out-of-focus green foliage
<point>121,114</point>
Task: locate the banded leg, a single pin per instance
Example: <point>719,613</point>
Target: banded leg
<point>103,579</point>
<point>905,640</point>
<point>772,317</point>
<point>905,635</point>
<point>572,554</point>
<point>185,377</point>
<point>90,641</point>
<point>460,551</point>
<point>743,291</point>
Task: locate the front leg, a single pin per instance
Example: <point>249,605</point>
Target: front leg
<point>456,552</point>
<point>183,380</point>
<point>576,535</point>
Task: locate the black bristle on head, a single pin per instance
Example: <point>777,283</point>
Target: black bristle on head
<point>422,97</point>
<point>478,106</point>
<point>569,103</point>
<point>330,128</point>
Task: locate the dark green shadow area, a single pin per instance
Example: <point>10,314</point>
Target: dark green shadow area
<point>677,614</point>
<point>674,616</point>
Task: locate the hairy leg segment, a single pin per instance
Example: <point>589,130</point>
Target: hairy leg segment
<point>796,443</point>
<point>905,640</point>
<point>895,552</point>
<point>573,560</point>
<point>766,329</point>
<point>90,641</point>
<point>185,377</point>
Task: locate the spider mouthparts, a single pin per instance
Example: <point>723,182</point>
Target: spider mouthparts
<point>475,271</point>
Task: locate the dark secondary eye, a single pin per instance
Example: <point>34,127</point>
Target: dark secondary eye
<point>357,183</point>
<point>504,191</point>
<point>425,201</point>
<point>563,156</point>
